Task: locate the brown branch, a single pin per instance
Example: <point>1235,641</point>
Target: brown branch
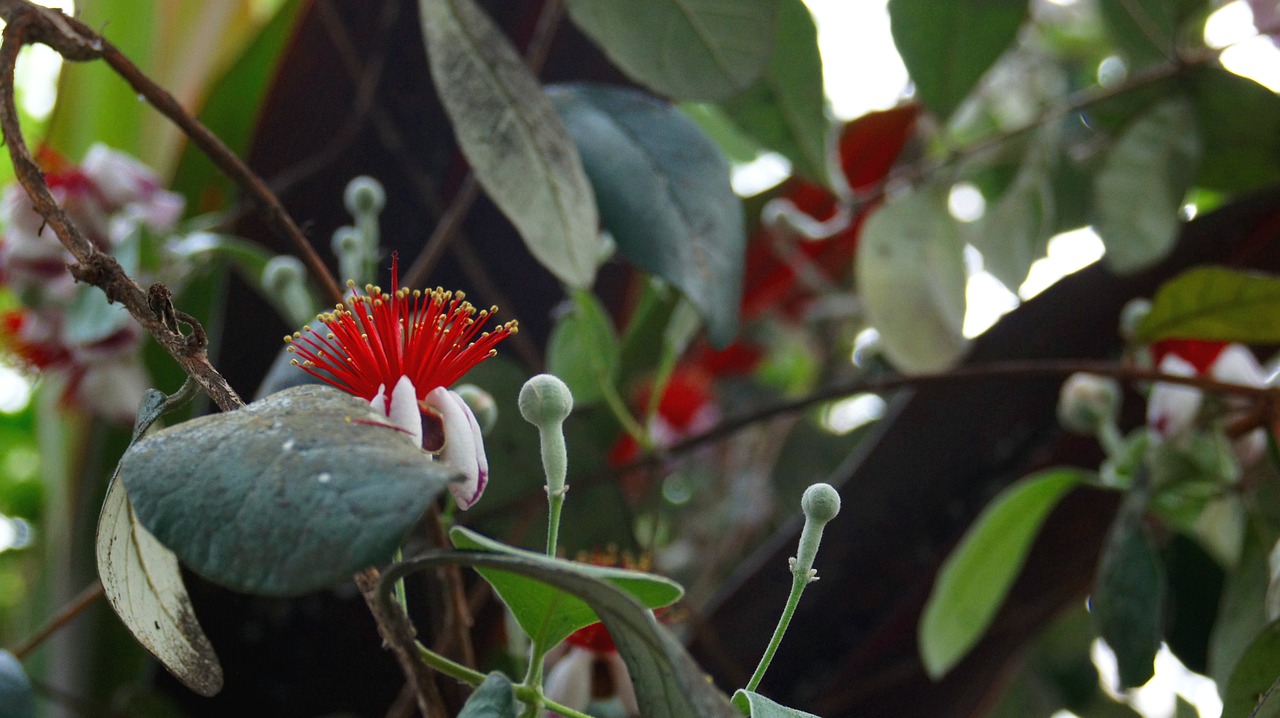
<point>398,636</point>
<point>92,266</point>
<point>451,220</point>
<point>74,608</point>
<point>76,41</point>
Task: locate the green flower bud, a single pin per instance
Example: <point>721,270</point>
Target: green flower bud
<point>364,195</point>
<point>1131,316</point>
<point>282,272</point>
<point>481,404</point>
<point>545,401</point>
<point>1087,401</point>
<point>820,503</point>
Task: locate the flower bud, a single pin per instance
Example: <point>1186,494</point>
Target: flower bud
<point>545,401</point>
<point>364,195</point>
<point>481,404</point>
<point>282,272</point>
<point>820,503</point>
<point>1087,401</point>
<point>1131,316</point>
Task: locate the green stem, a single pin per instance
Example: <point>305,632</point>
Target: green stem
<point>532,697</point>
<point>798,582</point>
<point>448,667</point>
<point>401,598</point>
<point>1111,439</point>
<point>555,500</point>
<point>620,412</point>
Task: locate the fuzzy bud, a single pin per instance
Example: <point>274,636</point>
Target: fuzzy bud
<point>820,503</point>
<point>545,401</point>
<point>1131,316</point>
<point>364,195</point>
<point>1087,401</point>
<point>481,404</point>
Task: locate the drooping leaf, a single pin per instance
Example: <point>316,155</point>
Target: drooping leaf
<point>785,110</point>
<point>684,49</point>
<point>975,578</point>
<point>1140,188</point>
<point>757,706</point>
<point>1257,669</point>
<point>143,583</point>
<point>583,349</point>
<point>1241,613</point>
<point>664,194</point>
<point>1217,304</point>
<point>494,698</point>
<point>948,46</point>
<point>512,138</point>
<point>287,495</point>
<point>1239,123</point>
<point>911,277</point>
<point>1128,596</point>
<point>668,683</point>
<point>17,700</point>
<point>546,613</point>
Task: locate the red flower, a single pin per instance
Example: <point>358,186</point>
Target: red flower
<point>401,351</point>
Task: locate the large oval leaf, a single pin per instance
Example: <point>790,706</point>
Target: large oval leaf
<point>911,278</point>
<point>1217,304</point>
<point>549,615</point>
<point>684,49</point>
<point>947,46</point>
<point>16,697</point>
<point>1140,188</point>
<point>510,134</point>
<point>287,495</point>
<point>668,683</point>
<point>975,578</point>
<point>785,110</point>
<point>583,349</point>
<point>664,194</point>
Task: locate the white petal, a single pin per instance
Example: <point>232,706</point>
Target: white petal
<point>622,686</point>
<point>1238,365</point>
<point>569,680</point>
<point>1172,408</point>
<point>379,400</point>
<point>463,445</point>
<point>403,410</point>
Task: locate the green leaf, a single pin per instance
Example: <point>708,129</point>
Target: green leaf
<point>785,110</point>
<point>732,141</point>
<point>231,111</point>
<point>1128,595</point>
<point>1257,669</point>
<point>17,700</point>
<point>1269,705</point>
<point>512,138</point>
<point>1217,304</point>
<point>668,683</point>
<point>494,698</point>
<point>664,194</point>
<point>1142,182</point>
<point>583,349</point>
<point>287,495</point>
<point>976,576</point>
<point>1144,30</point>
<point>1240,127</point>
<point>947,46</point>
<point>757,706</point>
<point>91,318</point>
<point>1015,230</point>
<point>1241,613</point>
<point>911,277</point>
<point>684,49</point>
<point>549,615</point>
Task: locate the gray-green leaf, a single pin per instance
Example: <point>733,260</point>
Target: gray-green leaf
<point>911,277</point>
<point>583,349</point>
<point>684,49</point>
<point>1216,304</point>
<point>664,194</point>
<point>494,698</point>
<point>16,697</point>
<point>287,495</point>
<point>757,706</point>
<point>510,134</point>
<point>1140,188</point>
<point>1253,676</point>
<point>976,576</point>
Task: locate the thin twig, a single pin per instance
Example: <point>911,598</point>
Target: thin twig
<point>398,636</point>
<point>92,266</point>
<point>74,608</point>
<point>451,220</point>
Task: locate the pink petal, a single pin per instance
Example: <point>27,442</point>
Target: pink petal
<point>1172,408</point>
<point>463,445</point>
<point>569,680</point>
